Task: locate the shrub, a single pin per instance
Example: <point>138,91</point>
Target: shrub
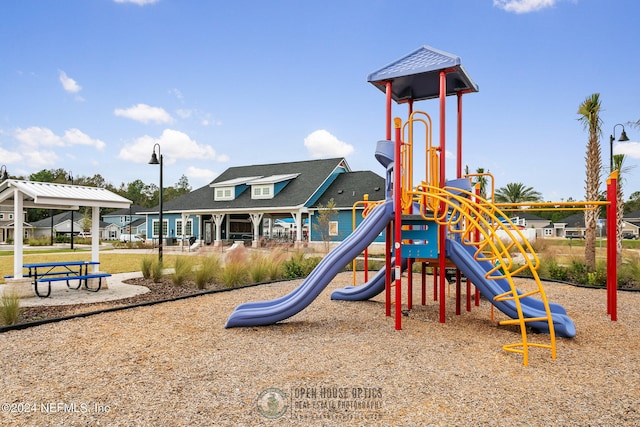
<point>553,270</point>
<point>41,241</point>
<point>9,308</point>
<point>629,273</point>
<point>276,264</point>
<point>300,266</point>
<point>235,271</point>
<point>234,274</point>
<point>182,270</point>
<point>156,271</point>
<point>258,268</point>
<point>578,272</point>
<point>207,271</point>
<point>145,266</point>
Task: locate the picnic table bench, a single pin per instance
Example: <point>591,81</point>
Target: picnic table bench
<point>47,272</point>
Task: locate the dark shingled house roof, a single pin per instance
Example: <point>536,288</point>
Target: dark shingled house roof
<point>349,188</point>
<point>309,179</point>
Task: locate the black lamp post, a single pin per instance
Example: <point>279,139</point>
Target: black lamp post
<point>4,175</point>
<point>154,161</point>
<point>623,138</point>
<point>71,179</point>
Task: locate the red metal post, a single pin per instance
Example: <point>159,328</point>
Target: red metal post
<point>397,234</point>
<point>388,114</point>
<point>366,250</point>
<point>424,283</point>
<point>442,229</point>
<point>458,290</point>
<point>387,275</point>
<point>612,238</point>
<point>459,136</point>
<point>435,283</point>
<point>387,272</point>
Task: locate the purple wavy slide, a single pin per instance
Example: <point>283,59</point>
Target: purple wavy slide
<point>269,312</point>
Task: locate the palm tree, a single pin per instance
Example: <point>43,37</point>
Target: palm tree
<point>482,180</point>
<point>589,112</point>
<point>618,164</point>
<point>516,192</point>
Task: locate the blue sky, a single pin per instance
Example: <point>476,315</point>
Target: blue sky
<point>91,86</point>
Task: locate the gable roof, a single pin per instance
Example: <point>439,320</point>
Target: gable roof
<point>349,188</point>
<point>310,176</point>
<point>575,220</point>
<point>526,215</point>
<point>125,211</point>
<point>632,215</point>
<point>60,196</point>
<point>417,75</point>
<point>62,217</point>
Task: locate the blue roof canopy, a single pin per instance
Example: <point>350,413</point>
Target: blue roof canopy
<point>417,75</point>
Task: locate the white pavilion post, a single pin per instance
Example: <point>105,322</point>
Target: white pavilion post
<point>18,234</point>
<point>18,285</point>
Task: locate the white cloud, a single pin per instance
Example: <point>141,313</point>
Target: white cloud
<point>199,174</point>
<point>77,137</point>
<point>69,84</point>
<point>523,6</point>
<point>9,157</point>
<point>321,143</point>
<point>40,159</point>
<point>174,145</point>
<point>36,137</point>
<point>184,113</point>
<point>177,93</point>
<point>631,149</point>
<point>138,2</point>
<point>144,113</point>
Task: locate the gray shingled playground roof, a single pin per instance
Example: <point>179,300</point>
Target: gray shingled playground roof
<point>417,75</point>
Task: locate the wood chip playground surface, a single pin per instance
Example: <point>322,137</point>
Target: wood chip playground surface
<point>335,363</point>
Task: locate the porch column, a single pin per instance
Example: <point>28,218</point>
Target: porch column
<point>297,217</point>
<point>184,219</point>
<point>255,220</point>
<point>217,219</point>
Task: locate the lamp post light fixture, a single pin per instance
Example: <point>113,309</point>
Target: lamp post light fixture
<point>70,178</point>
<point>154,161</point>
<point>623,138</point>
<point>5,175</point>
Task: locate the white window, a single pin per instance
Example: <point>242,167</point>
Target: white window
<point>165,227</point>
<point>188,230</point>
<point>262,191</point>
<point>333,228</point>
<point>224,193</point>
<point>1,216</point>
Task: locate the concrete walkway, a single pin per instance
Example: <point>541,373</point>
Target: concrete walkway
<point>61,295</point>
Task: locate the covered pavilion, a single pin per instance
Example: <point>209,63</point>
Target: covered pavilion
<point>47,195</point>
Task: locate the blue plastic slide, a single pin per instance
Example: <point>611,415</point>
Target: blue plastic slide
<point>463,257</point>
<point>270,312</point>
<point>370,289</point>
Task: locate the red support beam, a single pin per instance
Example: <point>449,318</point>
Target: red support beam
<point>612,246</point>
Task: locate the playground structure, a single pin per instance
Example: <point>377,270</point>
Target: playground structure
<point>444,224</point>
